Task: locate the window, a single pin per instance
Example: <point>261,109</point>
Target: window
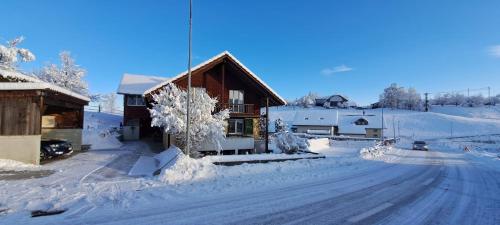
<point>236,97</point>
<point>135,100</point>
<point>361,122</point>
<point>235,126</point>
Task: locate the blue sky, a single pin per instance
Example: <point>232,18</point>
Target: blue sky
<point>351,47</point>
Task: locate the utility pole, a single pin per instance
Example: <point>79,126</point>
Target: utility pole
<point>189,79</point>
<point>451,129</point>
<point>399,130</point>
<point>394,127</point>
<point>382,131</point>
<point>489,96</point>
<point>426,102</point>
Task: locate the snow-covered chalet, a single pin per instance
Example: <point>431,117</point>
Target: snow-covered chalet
<point>223,76</point>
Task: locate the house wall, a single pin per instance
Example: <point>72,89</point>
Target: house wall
<point>221,78</point>
<point>139,113</point>
<point>72,135</point>
<point>373,132</point>
<point>22,148</point>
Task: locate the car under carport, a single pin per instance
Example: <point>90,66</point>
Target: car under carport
<point>32,110</point>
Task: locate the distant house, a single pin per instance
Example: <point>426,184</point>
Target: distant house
<point>333,101</point>
<point>331,123</point>
<point>368,126</point>
<point>32,110</point>
<point>224,77</point>
<point>321,122</point>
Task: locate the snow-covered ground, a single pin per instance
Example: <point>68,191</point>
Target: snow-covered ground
<point>99,130</point>
<point>454,122</point>
<point>356,182</point>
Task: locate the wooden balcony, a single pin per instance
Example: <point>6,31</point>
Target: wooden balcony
<point>238,109</point>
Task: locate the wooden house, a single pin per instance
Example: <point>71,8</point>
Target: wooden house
<point>32,110</point>
<point>223,76</point>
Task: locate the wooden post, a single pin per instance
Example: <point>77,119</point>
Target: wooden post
<point>223,78</point>
<point>267,125</point>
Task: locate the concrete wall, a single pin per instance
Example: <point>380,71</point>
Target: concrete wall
<point>24,148</point>
<point>232,143</point>
<point>72,135</point>
<point>304,129</point>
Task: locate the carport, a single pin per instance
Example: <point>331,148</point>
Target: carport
<point>32,110</point>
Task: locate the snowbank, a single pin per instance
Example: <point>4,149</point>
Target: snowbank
<point>188,170</point>
<point>319,145</point>
<point>100,130</point>
<point>7,164</point>
<point>374,152</point>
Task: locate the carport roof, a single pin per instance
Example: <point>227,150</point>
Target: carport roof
<point>32,83</point>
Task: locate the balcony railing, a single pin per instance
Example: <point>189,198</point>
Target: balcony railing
<point>238,108</point>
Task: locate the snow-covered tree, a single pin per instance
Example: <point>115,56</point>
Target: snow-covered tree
<point>392,96</point>
<point>280,125</point>
<point>495,100</point>
<point>68,75</point>
<point>414,100</point>
<point>108,102</point>
<point>476,100</point>
<point>308,100</point>
<point>397,97</point>
<point>169,112</point>
<point>10,54</point>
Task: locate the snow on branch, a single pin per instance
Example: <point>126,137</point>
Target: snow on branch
<point>10,54</point>
<point>68,75</point>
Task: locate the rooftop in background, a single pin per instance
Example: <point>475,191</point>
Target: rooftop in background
<point>137,84</point>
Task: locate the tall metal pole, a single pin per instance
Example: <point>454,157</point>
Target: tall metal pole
<point>382,131</point>
<point>489,96</point>
<point>188,139</point>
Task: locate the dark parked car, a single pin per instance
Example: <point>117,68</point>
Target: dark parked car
<point>420,145</point>
<point>53,148</point>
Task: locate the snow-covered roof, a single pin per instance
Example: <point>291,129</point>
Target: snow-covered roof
<point>337,98</point>
<point>225,53</point>
<point>33,83</point>
<point>316,118</point>
<point>347,126</point>
<point>17,75</point>
<point>137,84</point>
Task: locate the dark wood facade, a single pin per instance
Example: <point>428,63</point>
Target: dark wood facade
<point>217,77</point>
<point>21,111</point>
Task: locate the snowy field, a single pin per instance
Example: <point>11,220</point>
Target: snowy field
<point>441,122</point>
<point>358,181</point>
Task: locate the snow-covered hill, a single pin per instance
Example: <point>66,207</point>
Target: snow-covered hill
<point>442,122</point>
<point>492,112</point>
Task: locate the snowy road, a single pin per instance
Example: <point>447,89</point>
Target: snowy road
<point>418,188</point>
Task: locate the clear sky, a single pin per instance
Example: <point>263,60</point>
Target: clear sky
<point>354,48</point>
